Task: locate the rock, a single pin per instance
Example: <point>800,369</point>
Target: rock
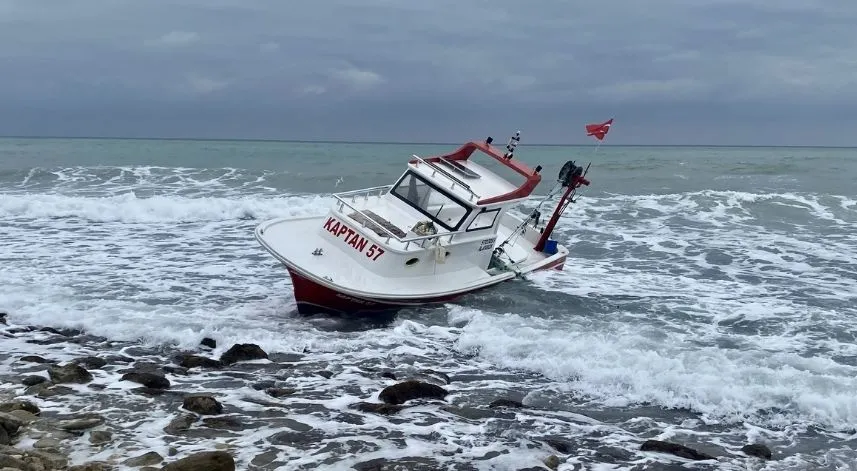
<point>383,409</point>
<point>613,455</point>
<point>196,361</point>
<point>33,380</point>
<point>389,375</point>
<point>674,449</point>
<point>69,373</point>
<point>142,367</point>
<point>243,352</point>
<point>50,330</point>
<point>47,442</point>
<point>225,423</point>
<point>10,423</point>
<point>409,463</point>
<point>152,392</point>
<point>19,330</point>
<point>325,374</point>
<point>44,460</point>
<point>94,466</point>
<point>757,450</point>
<point>146,459</point>
<point>265,460</point>
<point>205,461</point>
<point>51,391</point>
<point>63,332</point>
<point>11,462</point>
<point>149,380</point>
<point>80,424</point>
<point>279,392</point>
<point>179,424</point>
<point>93,363</point>
<point>506,403</point>
<point>20,405</point>
<point>34,359</point>
<point>432,376</point>
<point>202,404</point>
<point>119,359</point>
<point>262,402</point>
<point>24,416</point>
<point>560,446</point>
<point>552,462</point>
<point>176,370</point>
<point>405,391</point>
<point>264,385</point>
<point>282,357</point>
<point>99,437</point>
<point>208,342</point>
<point>48,341</point>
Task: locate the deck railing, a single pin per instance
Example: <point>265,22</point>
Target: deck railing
<point>455,180</point>
<point>420,240</point>
<point>364,192</point>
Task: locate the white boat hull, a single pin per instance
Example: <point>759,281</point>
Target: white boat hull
<point>335,282</point>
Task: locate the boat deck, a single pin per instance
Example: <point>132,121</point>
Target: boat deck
<point>370,217</point>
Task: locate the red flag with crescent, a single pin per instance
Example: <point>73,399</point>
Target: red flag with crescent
<point>599,130</point>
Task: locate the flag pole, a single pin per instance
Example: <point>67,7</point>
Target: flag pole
<point>599,132</point>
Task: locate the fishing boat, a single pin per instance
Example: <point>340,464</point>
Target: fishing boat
<point>443,229</point>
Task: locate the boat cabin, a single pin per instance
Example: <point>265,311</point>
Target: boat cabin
<point>442,214</point>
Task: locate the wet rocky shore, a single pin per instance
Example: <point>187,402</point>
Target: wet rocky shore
<point>77,402</point>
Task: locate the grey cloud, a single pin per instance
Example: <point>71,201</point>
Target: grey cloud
<point>386,69</point>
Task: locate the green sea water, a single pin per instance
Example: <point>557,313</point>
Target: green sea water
<point>710,294</point>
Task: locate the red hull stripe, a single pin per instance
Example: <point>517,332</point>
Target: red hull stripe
<point>313,297</point>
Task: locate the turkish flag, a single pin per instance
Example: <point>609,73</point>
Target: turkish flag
<point>599,130</point>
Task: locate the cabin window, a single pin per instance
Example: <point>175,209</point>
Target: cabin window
<point>484,220</point>
<point>439,206</point>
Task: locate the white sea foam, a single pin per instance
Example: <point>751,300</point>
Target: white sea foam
<point>706,309</point>
<point>151,180</point>
<point>129,208</point>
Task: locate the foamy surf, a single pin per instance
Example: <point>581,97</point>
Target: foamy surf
<point>714,318</point>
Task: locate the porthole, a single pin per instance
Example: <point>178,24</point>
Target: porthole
<point>412,261</point>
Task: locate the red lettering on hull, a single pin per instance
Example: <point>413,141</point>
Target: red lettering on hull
<point>353,238</point>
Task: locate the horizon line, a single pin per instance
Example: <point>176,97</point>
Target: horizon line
<point>381,142</point>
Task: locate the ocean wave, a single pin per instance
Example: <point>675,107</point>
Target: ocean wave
<point>619,365</point>
<point>129,208</point>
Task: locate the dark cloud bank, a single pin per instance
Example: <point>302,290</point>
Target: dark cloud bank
<point>669,71</point>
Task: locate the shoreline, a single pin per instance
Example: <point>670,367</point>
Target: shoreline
<point>75,402</point>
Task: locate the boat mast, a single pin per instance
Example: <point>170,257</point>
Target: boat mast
<point>571,177</point>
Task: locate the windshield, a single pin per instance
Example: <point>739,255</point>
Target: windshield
<point>438,206</point>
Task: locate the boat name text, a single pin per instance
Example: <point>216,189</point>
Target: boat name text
<point>487,244</point>
<point>353,238</point>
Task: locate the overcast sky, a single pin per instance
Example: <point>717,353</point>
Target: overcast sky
<point>781,72</point>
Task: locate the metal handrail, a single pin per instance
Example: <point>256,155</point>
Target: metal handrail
<point>452,177</point>
<point>365,190</point>
<point>390,235</point>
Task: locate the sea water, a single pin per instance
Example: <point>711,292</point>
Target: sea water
<point>709,299</point>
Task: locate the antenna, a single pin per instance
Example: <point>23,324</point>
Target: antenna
<point>513,143</point>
